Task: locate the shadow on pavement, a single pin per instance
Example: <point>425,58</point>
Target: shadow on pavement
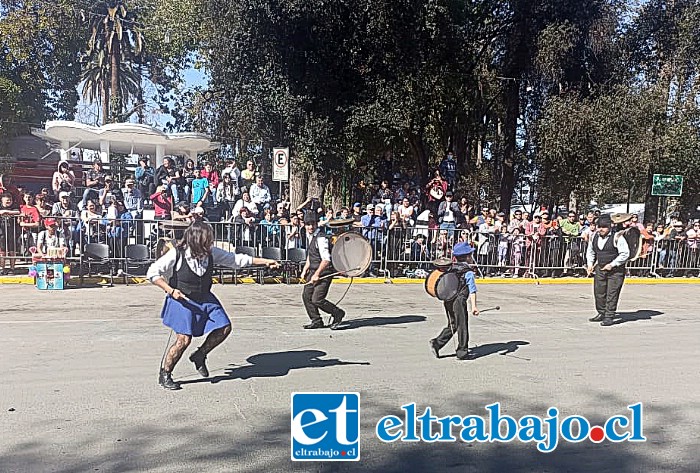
<point>268,365</point>
<point>376,321</point>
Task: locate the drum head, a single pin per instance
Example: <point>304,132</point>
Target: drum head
<point>447,287</point>
<point>633,237</point>
<point>351,254</point>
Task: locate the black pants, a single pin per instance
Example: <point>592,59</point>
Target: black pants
<point>457,321</point>
<point>314,297</point>
<point>606,289</point>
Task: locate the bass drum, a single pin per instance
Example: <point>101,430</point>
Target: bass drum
<point>634,240</point>
<point>443,285</point>
<point>351,254</point>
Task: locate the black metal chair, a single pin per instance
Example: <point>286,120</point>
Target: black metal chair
<point>250,251</point>
<point>298,257</point>
<point>135,256</point>
<point>270,252</point>
<point>97,253</point>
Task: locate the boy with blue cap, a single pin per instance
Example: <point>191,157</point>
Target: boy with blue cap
<point>456,309</point>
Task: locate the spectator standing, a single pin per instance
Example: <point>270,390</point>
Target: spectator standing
<point>213,177</point>
<point>200,188</point>
<point>293,233</point>
<point>406,213</point>
<point>232,170</point>
<point>571,229</point>
<point>693,241</point>
<point>374,225</point>
<point>227,194</point>
<point>10,231</point>
<point>448,213</point>
<point>63,179</point>
<point>448,169</point>
<point>69,223</point>
<point>133,200</point>
<point>187,176</point>
<point>145,178</point>
<point>29,222</point>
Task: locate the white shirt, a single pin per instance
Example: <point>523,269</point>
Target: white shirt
<point>164,266</point>
<point>260,194</point>
<point>620,243</point>
<point>239,205</point>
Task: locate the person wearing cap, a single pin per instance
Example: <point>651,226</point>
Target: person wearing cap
<point>190,308</point>
<point>318,265</point>
<point>49,238</point>
<point>94,181</point>
<point>131,196</point>
<point>607,255</point>
<point>456,309</point>
<point>357,214</point>
<point>374,226</point>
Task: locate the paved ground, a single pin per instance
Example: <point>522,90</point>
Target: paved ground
<point>79,367</point>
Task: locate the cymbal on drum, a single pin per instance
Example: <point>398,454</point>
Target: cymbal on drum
<point>340,222</point>
<point>442,263</point>
<point>173,225</point>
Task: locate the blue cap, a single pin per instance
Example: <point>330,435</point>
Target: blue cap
<point>462,249</point>
<point>357,204</point>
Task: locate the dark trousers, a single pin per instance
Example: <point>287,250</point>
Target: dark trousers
<point>314,297</point>
<point>457,321</point>
<point>606,289</point>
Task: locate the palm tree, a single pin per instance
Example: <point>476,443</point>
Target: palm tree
<point>111,71</point>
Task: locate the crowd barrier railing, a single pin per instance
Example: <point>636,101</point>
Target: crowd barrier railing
<point>125,243</point>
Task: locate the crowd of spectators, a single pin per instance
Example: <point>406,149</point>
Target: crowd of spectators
<point>408,221</point>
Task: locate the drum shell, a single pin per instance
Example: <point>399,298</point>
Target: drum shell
<point>443,285</point>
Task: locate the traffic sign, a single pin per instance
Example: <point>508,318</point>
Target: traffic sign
<point>667,185</point>
<point>280,164</point>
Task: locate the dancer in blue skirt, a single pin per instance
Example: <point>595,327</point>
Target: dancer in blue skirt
<point>190,309</point>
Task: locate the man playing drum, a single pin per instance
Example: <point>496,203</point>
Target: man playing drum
<point>456,309</point>
<point>318,265</point>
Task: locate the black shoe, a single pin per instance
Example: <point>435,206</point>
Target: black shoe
<point>318,323</point>
<point>199,359</point>
<point>597,318</point>
<point>607,321</point>
<point>165,379</point>
<point>434,348</point>
<point>468,356</point>
<point>337,318</point>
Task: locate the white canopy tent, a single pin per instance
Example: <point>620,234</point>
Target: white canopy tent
<point>127,138</point>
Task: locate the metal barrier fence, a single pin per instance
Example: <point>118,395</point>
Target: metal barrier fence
<point>396,252</point>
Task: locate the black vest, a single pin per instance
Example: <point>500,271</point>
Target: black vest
<point>608,253</point>
<point>193,286</point>
<point>315,255</point>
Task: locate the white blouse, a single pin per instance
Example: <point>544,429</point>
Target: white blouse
<point>164,266</point>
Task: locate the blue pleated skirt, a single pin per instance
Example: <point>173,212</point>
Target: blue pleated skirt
<point>194,318</point>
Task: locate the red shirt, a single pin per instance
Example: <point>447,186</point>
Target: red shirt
<point>161,205</point>
<point>212,177</point>
<point>30,213</point>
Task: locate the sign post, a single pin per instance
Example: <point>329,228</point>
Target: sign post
<point>667,185</point>
<point>280,166</point>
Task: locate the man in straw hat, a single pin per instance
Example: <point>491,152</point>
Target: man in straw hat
<point>456,309</point>
<point>318,265</point>
<point>607,255</point>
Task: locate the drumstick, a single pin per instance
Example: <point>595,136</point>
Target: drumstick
<point>498,307</point>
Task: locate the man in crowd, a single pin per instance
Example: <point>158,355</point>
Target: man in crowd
<point>94,181</point>
<point>448,212</point>
<point>10,231</point>
<point>448,169</point>
<point>260,194</point>
<point>69,220</point>
<point>248,174</point>
<point>571,229</point>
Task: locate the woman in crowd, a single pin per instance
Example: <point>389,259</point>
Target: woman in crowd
<point>41,205</point>
<point>186,178</point>
<point>169,176</point>
<point>90,219</point>
<point>63,179</point>
<point>227,194</point>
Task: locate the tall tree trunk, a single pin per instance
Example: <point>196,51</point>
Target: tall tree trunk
<point>114,86</point>
<point>510,124</point>
<point>297,187</point>
<point>420,155</point>
<point>316,186</point>
<point>105,101</point>
<point>335,188</point>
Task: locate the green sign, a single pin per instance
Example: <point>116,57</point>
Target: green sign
<point>667,185</point>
